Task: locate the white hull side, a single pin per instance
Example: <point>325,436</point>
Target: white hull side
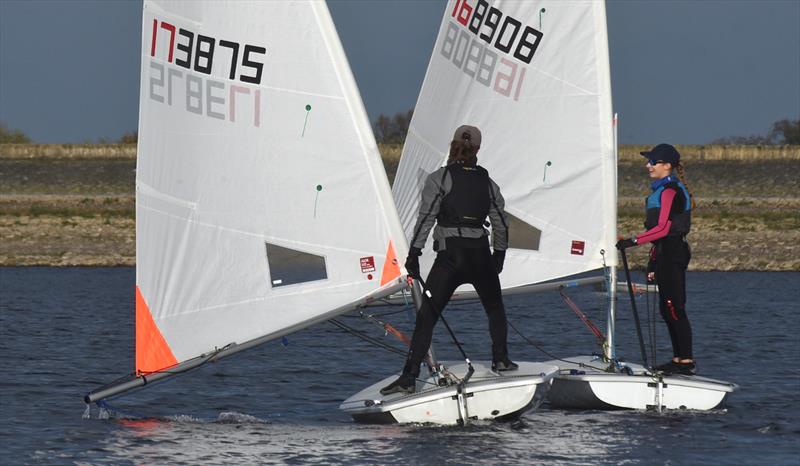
<point>581,387</point>
<point>487,396</point>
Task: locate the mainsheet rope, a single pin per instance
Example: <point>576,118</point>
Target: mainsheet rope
<point>633,307</point>
<point>392,349</point>
<point>651,320</point>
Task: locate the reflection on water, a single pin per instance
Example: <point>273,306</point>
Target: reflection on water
<point>554,437</point>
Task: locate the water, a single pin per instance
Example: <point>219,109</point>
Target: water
<point>65,331</point>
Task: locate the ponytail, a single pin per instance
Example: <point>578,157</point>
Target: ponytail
<point>682,176</point>
<point>463,151</point>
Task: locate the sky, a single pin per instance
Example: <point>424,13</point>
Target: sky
<point>685,72</point>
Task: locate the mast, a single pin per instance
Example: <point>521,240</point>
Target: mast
<point>610,351</point>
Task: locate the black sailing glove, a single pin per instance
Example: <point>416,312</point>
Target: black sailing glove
<point>412,262</point>
<point>626,243</point>
<point>498,257</point>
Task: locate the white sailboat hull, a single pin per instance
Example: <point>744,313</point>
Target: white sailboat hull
<point>581,387</point>
<point>487,396</point>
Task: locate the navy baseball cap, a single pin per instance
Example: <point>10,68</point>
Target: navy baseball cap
<point>662,153</point>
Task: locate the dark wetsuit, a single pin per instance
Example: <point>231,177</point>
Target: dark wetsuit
<point>459,198</point>
<point>668,211</point>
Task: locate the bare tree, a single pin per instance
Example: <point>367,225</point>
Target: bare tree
<point>786,131</point>
<point>392,130</point>
<point>383,128</point>
<point>131,137</point>
<point>782,132</point>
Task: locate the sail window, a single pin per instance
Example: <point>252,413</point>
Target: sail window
<point>290,267</point>
<point>521,235</point>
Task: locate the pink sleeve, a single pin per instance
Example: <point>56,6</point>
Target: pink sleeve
<point>664,223</point>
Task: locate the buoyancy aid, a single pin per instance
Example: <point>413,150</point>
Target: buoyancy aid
<point>681,212</point>
<point>467,203</point>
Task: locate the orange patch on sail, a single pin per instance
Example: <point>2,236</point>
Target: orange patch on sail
<point>152,351</point>
<point>391,268</point>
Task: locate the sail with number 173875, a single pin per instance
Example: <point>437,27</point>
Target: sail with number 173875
<point>262,205</point>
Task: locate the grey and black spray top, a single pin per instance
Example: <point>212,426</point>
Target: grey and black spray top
<point>458,198</point>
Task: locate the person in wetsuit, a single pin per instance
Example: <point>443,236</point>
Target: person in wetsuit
<point>667,222</point>
<point>457,198</point>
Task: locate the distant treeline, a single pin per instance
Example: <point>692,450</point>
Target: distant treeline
<point>393,130</point>
<point>782,132</point>
<point>12,136</point>
<point>15,136</point>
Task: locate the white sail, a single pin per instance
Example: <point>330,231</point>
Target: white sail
<point>534,77</point>
<point>262,203</point>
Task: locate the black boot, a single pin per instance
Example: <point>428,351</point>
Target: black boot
<point>407,381</point>
<point>682,368</point>
<point>405,384</point>
<point>666,367</point>
<point>503,365</point>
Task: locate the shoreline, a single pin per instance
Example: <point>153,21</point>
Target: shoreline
<point>67,205</point>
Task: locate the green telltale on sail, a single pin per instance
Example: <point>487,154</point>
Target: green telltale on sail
<point>305,122</point>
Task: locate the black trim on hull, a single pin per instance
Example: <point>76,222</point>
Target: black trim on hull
<point>576,394</point>
<point>375,418</point>
<point>722,404</point>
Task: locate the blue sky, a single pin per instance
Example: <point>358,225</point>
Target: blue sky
<point>685,72</point>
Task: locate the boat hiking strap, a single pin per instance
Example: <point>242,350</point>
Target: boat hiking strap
<point>581,315</point>
<point>633,308</point>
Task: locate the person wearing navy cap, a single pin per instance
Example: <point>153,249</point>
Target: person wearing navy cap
<point>668,215</point>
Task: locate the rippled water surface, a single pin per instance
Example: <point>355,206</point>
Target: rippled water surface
<point>65,331</point>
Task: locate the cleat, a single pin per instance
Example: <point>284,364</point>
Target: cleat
<point>504,365</point>
<point>405,384</point>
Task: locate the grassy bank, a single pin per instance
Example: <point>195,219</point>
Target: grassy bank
<point>68,151</point>
<point>74,204</point>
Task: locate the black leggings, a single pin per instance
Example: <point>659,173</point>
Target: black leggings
<point>452,268</point>
<point>672,258</point>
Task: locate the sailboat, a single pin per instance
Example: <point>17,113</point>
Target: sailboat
<point>262,205</point>
<point>534,76</point>
<point>608,383</point>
